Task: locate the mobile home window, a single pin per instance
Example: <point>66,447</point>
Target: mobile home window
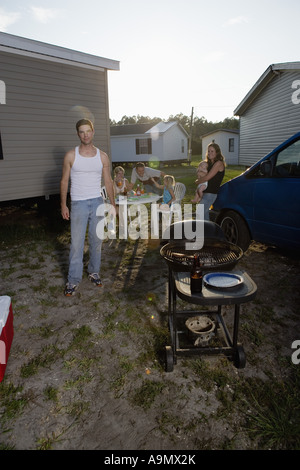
<point>231,145</point>
<point>143,146</point>
<point>182,145</point>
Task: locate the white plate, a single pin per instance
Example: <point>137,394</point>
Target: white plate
<point>222,280</point>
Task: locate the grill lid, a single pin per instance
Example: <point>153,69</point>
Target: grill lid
<point>190,229</point>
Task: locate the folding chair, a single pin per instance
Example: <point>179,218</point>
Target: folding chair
<point>179,192</point>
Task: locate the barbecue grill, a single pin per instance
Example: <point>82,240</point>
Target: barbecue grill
<point>216,254</point>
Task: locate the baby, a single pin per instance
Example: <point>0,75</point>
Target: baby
<point>201,171</point>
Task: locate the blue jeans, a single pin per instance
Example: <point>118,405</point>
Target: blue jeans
<point>208,199</point>
<point>83,214</point>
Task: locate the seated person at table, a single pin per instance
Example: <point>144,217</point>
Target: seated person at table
<point>168,194</point>
<point>143,174</point>
<point>121,184</point>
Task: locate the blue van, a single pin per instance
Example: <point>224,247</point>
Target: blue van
<point>263,203</point>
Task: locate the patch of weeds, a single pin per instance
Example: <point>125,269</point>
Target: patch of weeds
<point>110,323</point>
<point>6,447</point>
<point>43,331</point>
<point>81,336</point>
<point>12,401</point>
<point>46,443</point>
<point>49,355</point>
<point>264,313</point>
<point>13,233</point>
<point>6,272</point>
<point>48,302</point>
<point>154,344</point>
<point>35,267</point>
<point>77,408</point>
<point>202,371</point>
<point>127,327</point>
<point>217,378</point>
<point>255,334</point>
<point>55,292</point>
<point>82,363</point>
<point>51,394</point>
<point>195,422</point>
<point>145,395</point>
<point>78,381</point>
<point>11,294</point>
<point>126,365</point>
<point>168,422</point>
<point>274,419</point>
<point>41,286</point>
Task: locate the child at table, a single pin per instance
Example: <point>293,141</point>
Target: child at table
<point>201,171</point>
<point>121,184</point>
<point>168,193</point>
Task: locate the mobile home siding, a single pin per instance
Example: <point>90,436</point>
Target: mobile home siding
<point>270,119</point>
<point>44,100</point>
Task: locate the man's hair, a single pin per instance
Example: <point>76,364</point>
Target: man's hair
<point>140,165</point>
<point>83,122</point>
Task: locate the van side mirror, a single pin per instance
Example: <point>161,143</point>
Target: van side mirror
<point>266,168</point>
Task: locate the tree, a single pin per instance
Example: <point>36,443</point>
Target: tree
<point>200,126</point>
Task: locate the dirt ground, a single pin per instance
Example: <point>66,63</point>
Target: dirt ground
<point>87,372</point>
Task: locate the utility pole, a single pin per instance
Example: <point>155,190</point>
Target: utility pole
<point>190,139</point>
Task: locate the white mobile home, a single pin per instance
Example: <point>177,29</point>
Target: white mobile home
<point>165,142</point>
<point>270,112</point>
<point>228,141</point>
<point>44,91</point>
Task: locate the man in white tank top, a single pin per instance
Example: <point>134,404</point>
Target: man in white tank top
<point>84,166</point>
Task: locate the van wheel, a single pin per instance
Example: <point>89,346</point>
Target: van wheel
<point>235,229</point>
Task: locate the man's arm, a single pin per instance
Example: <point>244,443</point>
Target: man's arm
<point>108,182</point>
<point>64,183</point>
<point>153,173</point>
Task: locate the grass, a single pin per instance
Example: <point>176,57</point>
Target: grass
<point>145,395</point>
<point>275,417</point>
<point>55,230</point>
<point>133,328</point>
<point>186,174</point>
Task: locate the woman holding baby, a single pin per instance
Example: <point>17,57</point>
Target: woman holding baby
<point>210,174</point>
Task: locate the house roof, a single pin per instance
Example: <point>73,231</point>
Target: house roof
<point>41,50</point>
<point>130,129</point>
<point>147,128</point>
<point>232,131</point>
<point>271,72</point>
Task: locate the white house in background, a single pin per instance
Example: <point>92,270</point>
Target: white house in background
<point>270,112</point>
<point>228,141</point>
<point>165,142</point>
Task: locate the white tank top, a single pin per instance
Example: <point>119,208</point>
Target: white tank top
<point>86,174</point>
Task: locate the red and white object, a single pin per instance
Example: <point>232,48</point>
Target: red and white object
<point>6,332</point>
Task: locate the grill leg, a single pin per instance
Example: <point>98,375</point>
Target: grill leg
<point>236,325</point>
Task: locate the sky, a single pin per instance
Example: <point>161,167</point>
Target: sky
<point>174,55</point>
